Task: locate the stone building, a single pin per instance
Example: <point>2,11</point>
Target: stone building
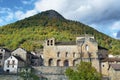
<point>4,54</point>
<point>114,72</point>
<point>23,54</point>
<point>85,48</point>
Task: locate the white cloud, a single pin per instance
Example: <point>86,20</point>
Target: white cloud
<point>114,34</point>
<point>1,20</point>
<point>9,17</point>
<point>116,26</point>
<point>21,15</point>
<point>96,13</point>
<point>83,10</point>
<point>27,1</point>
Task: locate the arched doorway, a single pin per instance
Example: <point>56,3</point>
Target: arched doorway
<point>58,62</point>
<point>66,63</point>
<point>50,62</point>
<point>74,62</point>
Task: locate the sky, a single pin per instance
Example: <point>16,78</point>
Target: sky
<point>103,15</point>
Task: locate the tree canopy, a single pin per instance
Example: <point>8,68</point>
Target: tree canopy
<point>84,71</point>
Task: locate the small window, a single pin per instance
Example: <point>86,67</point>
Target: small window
<point>87,47</point>
<point>73,54</point>
<point>103,65</point>
<point>8,63</point>
<point>1,50</point>
<point>13,63</point>
<point>51,42</point>
<point>66,55</point>
<point>1,56</point>
<point>58,54</point>
<point>48,42</point>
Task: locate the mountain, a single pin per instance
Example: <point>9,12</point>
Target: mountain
<point>30,32</point>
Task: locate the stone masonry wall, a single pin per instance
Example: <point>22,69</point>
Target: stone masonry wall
<point>52,73</point>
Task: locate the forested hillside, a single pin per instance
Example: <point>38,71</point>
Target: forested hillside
<point>31,32</point>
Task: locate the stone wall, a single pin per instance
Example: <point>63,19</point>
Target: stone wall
<point>10,77</point>
<point>52,73</point>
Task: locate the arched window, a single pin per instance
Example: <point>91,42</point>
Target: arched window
<point>48,42</point>
<point>50,62</point>
<point>51,42</point>
<point>58,62</point>
<point>74,54</point>
<point>66,55</point>
<point>66,63</point>
<point>58,54</point>
<point>86,47</point>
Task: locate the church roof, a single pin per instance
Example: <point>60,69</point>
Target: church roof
<point>66,43</point>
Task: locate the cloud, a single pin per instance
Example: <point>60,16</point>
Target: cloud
<point>118,34</point>
<point>114,34</point>
<point>84,10</point>
<point>102,15</point>
<point>116,25</point>
<point>27,1</point>
<point>21,15</point>
<point>1,20</point>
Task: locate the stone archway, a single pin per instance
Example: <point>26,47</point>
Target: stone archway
<point>74,62</point>
<point>50,62</point>
<point>58,62</point>
<point>66,63</point>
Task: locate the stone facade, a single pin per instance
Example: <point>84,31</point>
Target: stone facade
<point>85,48</point>
<point>23,54</point>
<point>114,72</point>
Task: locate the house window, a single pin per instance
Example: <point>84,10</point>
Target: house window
<point>58,54</point>
<point>13,63</point>
<point>1,56</point>
<point>66,55</point>
<point>8,63</point>
<point>1,50</point>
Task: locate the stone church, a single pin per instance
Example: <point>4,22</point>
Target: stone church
<point>85,48</point>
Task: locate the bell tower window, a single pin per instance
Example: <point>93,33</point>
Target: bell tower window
<point>87,48</point>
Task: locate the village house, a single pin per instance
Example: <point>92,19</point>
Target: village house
<point>4,54</point>
<point>12,64</point>
<point>23,54</point>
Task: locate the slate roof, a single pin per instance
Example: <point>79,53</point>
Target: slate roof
<point>111,60</point>
<point>66,43</point>
<point>115,66</point>
<point>19,58</point>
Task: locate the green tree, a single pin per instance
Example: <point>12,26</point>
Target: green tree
<point>84,71</point>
